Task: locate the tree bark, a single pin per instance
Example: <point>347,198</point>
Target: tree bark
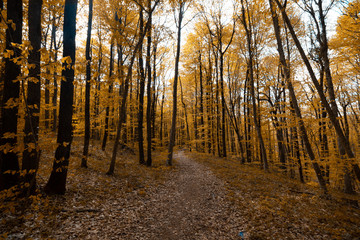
<point>176,77</point>
<point>55,93</point>
<point>148,93</point>
<point>11,90</point>
<point>103,147</point>
<point>141,96</point>
<point>31,154</point>
<point>87,89</point>
<point>57,180</point>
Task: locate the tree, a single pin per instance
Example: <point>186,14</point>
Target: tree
<point>57,180</point>
<point>246,21</point>
<point>149,100</point>
<point>181,11</point>
<point>87,88</point>
<point>141,94</point>
<point>343,142</point>
<point>221,41</point>
<point>294,102</point>
<point>125,91</point>
<point>31,153</point>
<point>9,165</point>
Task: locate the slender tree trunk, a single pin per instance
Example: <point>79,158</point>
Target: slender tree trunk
<point>155,93</point>
<point>201,110</point>
<point>149,100</point>
<point>87,89</point>
<point>176,77</point>
<point>162,117</point>
<point>185,114</point>
<point>97,93</point>
<point>31,154</point>
<point>55,93</point>
<point>57,180</point>
<point>141,96</point>
<point>8,156</point>
<point>103,147</point>
<point>223,116</point>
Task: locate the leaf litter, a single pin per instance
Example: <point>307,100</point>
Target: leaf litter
<point>202,197</point>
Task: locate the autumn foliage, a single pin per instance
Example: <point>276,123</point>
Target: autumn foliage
<point>267,84</point>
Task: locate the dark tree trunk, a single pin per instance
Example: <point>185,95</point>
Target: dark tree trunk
<point>176,77</point>
<point>162,117</point>
<point>8,157</point>
<point>97,95</point>
<point>141,96</point>
<point>87,89</point>
<point>55,93</point>
<point>103,147</point>
<point>185,115</point>
<point>201,109</point>
<point>196,115</point>
<point>31,155</point>
<point>148,107</point>
<point>223,116</point>
<point>57,180</point>
<point>217,102</point>
<point>155,93</point>
<point>47,101</point>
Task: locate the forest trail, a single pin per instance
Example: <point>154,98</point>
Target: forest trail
<point>190,204</point>
<point>200,198</point>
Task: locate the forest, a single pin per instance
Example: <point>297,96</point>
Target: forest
<point>179,119</point>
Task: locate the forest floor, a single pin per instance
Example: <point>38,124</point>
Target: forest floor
<point>201,197</point>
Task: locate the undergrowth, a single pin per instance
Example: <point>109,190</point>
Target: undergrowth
<point>276,207</point>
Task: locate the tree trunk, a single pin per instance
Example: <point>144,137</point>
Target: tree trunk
<point>55,93</point>
<point>176,76</point>
<point>141,95</point>
<point>162,117</point>
<point>97,92</point>
<point>223,116</point>
<point>148,93</point>
<point>31,154</point>
<point>57,180</point>
<point>185,114</point>
<point>103,147</point>
<point>87,89</point>
<point>11,90</point>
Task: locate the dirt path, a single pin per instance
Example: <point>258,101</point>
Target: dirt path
<point>190,205</point>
